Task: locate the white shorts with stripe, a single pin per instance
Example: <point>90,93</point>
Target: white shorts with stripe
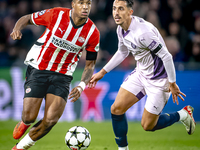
<point>156,91</point>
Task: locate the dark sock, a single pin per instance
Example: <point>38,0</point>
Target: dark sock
<point>166,120</point>
<point>120,128</point>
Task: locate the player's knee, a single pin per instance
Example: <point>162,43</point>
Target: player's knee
<point>28,118</point>
<point>146,126</point>
<point>49,123</point>
<point>116,110</point>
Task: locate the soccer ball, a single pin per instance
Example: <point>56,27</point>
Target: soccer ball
<point>77,138</point>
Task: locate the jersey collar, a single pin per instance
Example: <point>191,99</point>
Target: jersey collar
<point>131,27</point>
<point>124,33</point>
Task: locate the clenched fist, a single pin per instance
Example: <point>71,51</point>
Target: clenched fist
<point>16,35</point>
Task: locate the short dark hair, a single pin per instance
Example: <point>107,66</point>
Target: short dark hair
<point>130,3</point>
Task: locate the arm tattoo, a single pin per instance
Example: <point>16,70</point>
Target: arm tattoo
<point>88,71</point>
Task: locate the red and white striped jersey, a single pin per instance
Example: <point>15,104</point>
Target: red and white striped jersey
<point>61,45</point>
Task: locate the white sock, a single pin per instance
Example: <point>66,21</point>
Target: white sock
<point>25,143</point>
<point>27,124</point>
<point>123,148</point>
<point>182,114</point>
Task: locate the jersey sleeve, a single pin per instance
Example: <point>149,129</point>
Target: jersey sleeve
<point>151,42</point>
<point>93,42</point>
<point>42,17</point>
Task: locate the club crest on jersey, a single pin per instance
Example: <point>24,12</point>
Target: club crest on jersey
<point>133,46</point>
<point>81,39</point>
<point>28,90</point>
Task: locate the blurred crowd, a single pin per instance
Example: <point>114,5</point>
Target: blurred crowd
<point>177,20</point>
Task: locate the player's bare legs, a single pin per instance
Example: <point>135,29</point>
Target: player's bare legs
<point>123,102</point>
<point>31,107</point>
<point>152,122</point>
<point>54,107</point>
<point>30,111</point>
<point>149,120</point>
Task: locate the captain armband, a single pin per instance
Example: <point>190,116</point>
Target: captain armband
<point>157,49</point>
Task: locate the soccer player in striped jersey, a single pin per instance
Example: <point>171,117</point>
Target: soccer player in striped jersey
<point>153,76</point>
<point>51,62</point>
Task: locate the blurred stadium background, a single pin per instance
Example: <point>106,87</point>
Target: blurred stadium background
<point>177,20</point>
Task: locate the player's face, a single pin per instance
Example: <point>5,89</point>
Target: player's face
<point>81,8</point>
<point>121,13</point>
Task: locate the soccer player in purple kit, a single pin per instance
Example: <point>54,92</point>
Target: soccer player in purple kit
<point>153,76</point>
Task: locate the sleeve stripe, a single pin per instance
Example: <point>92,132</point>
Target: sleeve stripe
<point>89,34</point>
<point>33,19</point>
<point>157,48</point>
<point>38,43</point>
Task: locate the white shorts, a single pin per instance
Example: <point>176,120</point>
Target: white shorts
<point>156,91</point>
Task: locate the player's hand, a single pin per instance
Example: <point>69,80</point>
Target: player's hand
<point>174,89</point>
<point>95,78</point>
<point>16,35</point>
<point>75,93</point>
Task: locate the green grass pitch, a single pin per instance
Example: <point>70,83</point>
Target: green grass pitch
<point>171,138</point>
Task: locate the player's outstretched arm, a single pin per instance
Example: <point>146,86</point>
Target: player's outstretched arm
<point>96,77</point>
<point>117,58</point>
<point>173,87</point>
<point>86,76</point>
<point>20,24</point>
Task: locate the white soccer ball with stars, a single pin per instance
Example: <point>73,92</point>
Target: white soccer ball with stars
<point>77,138</point>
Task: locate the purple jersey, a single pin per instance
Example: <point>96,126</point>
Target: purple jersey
<point>144,41</point>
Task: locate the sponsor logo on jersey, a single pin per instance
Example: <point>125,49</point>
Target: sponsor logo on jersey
<point>153,43</point>
<point>61,30</point>
<point>65,45</point>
